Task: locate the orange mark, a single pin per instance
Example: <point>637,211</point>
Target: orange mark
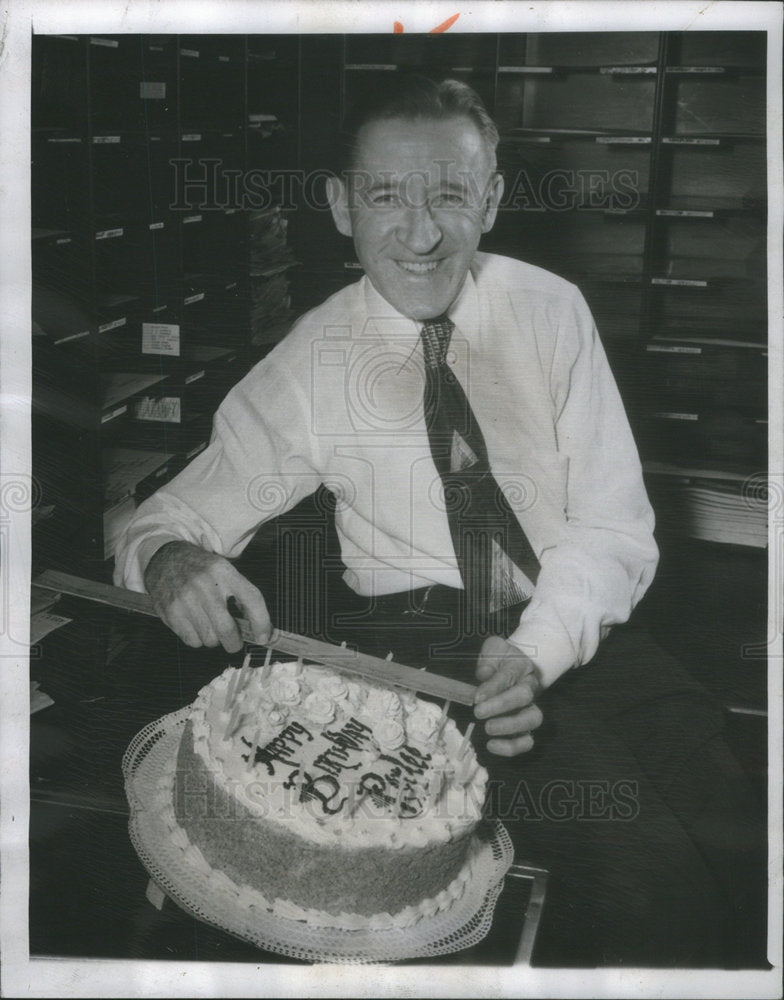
<point>446,25</point>
<point>397,27</point>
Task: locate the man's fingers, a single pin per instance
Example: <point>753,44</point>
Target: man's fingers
<point>511,748</point>
<point>177,620</point>
<point>505,676</point>
<point>190,589</point>
<point>508,700</point>
<point>254,609</point>
<point>493,651</point>
<point>515,724</point>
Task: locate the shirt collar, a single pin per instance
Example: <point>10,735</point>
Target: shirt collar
<point>392,326</point>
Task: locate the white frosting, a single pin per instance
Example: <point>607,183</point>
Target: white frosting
<point>338,761</point>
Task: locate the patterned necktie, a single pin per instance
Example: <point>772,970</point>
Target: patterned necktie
<point>497,564</point>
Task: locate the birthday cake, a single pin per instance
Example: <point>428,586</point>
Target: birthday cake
<point>328,799</point>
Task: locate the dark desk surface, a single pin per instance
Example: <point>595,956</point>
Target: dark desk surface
<point>110,675</point>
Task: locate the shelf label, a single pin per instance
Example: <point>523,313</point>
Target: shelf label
<point>109,234</point>
<point>160,309</point>
<point>352,265</point>
<point>167,409</point>
<point>155,48</point>
<point>696,69</point>
<point>191,218</point>
<point>115,324</point>
<point>525,69</point>
<point>195,451</point>
<point>66,139</point>
<point>623,140</point>
<point>684,213</point>
<point>156,225</point>
<point>674,140</point>
<point>191,137</point>
<point>190,299</point>
<point>384,66</point>
<point>672,349</point>
<point>681,282</point>
<point>161,338</point>
<point>191,53</point>
<point>62,240</point>
<point>666,415</point>
<point>73,336</point>
<point>105,140</point>
<point>116,412</point>
<point>231,284</point>
<point>195,377</point>
<point>109,43</point>
<point>224,58</point>
<point>152,91</point>
<point>628,70</point>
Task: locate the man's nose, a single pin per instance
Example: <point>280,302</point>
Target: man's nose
<point>419,231</point>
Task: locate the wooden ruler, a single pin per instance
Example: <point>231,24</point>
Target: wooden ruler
<point>339,657</point>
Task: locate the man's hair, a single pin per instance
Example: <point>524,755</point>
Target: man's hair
<point>412,96</point>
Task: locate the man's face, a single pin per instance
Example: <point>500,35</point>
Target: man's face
<point>420,196</point>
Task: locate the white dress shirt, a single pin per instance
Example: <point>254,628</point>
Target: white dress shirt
<point>339,402</point>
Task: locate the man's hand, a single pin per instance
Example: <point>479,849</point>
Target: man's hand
<point>509,683</point>
<point>190,589</point>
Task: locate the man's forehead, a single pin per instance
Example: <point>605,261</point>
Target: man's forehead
<point>438,150</point>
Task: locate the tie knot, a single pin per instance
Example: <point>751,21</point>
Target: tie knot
<point>435,340</point>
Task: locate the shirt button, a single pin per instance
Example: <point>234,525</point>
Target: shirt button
<point>451,357</point>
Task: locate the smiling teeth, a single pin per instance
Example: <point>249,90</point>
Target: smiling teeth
<point>418,268</point>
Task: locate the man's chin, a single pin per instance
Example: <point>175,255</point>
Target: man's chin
<point>421,307</point>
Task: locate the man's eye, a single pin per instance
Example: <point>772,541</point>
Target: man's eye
<point>385,199</point>
<point>449,200</point>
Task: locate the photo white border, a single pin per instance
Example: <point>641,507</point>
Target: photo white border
<point>20,976</point>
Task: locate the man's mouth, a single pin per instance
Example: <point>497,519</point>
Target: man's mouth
<point>418,267</point>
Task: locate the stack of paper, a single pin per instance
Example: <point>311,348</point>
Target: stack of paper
<point>715,506</point>
<point>270,258</point>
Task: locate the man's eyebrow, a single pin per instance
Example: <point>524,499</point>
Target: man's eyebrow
<point>384,184</point>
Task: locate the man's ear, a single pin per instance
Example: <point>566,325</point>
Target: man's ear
<point>337,195</point>
<point>495,192</point>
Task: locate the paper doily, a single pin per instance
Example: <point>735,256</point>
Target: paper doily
<point>147,768</point>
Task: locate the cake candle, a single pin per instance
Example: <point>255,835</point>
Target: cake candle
<point>466,741</point>
<point>232,722</point>
<point>254,743</point>
<point>265,670</point>
<point>231,689</point>
<point>442,719</point>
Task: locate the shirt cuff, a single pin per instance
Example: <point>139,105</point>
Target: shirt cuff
<point>552,653</point>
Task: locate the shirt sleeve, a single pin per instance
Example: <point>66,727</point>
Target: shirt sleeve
<point>257,465</point>
<point>606,556</point>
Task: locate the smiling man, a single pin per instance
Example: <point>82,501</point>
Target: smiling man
<point>492,518</point>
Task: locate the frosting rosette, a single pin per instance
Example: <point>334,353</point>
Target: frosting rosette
<point>277,715</point>
<point>290,669</point>
<point>319,708</point>
<point>389,734</point>
<point>330,686</point>
<point>285,691</point>
<point>423,723</point>
<point>382,702</point>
